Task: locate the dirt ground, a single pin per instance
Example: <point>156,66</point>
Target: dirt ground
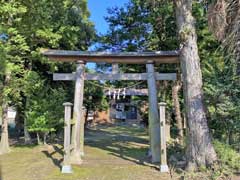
<point>111,153</point>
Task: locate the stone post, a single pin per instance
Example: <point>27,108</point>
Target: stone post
<point>66,168</point>
<point>163,164</point>
<point>77,113</point>
<point>154,130</point>
<point>82,132</point>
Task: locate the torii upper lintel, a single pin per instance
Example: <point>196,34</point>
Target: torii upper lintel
<point>157,57</point>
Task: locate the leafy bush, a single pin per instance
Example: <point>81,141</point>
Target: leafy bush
<point>228,157</point>
<point>45,111</point>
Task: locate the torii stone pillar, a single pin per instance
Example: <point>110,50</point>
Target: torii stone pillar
<point>153,117</point>
<point>77,114</point>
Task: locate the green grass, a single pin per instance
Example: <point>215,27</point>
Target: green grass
<point>112,153</point>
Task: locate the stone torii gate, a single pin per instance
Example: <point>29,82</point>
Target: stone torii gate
<point>148,58</point>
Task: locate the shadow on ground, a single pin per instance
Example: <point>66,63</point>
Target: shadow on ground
<point>126,143</point>
<point>129,145</point>
<point>56,150</point>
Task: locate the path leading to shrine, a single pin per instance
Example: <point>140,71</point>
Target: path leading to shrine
<point>112,153</point>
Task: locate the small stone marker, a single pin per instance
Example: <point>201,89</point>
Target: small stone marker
<point>82,132</point>
<point>163,165</point>
<point>67,168</point>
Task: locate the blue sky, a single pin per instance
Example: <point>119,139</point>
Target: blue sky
<point>98,9</point>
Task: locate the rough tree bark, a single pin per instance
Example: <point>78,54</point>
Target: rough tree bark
<point>4,144</point>
<point>38,138</point>
<point>200,150</point>
<point>177,110</point>
<point>232,31</point>
<point>45,138</point>
<point>224,22</point>
<point>27,137</point>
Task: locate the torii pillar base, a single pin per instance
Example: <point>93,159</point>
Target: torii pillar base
<point>164,168</point>
<point>67,169</point>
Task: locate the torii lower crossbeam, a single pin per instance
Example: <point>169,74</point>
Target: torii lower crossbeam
<point>114,77</point>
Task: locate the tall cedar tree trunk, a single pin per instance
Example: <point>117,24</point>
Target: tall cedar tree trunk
<point>45,138</point>
<point>4,144</point>
<point>27,137</point>
<point>177,110</point>
<point>233,15</point>
<point>22,119</point>
<point>39,142</point>
<point>200,150</point>
<point>223,21</point>
<point>18,123</point>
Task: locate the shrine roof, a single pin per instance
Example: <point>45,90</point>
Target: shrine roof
<point>157,57</point>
